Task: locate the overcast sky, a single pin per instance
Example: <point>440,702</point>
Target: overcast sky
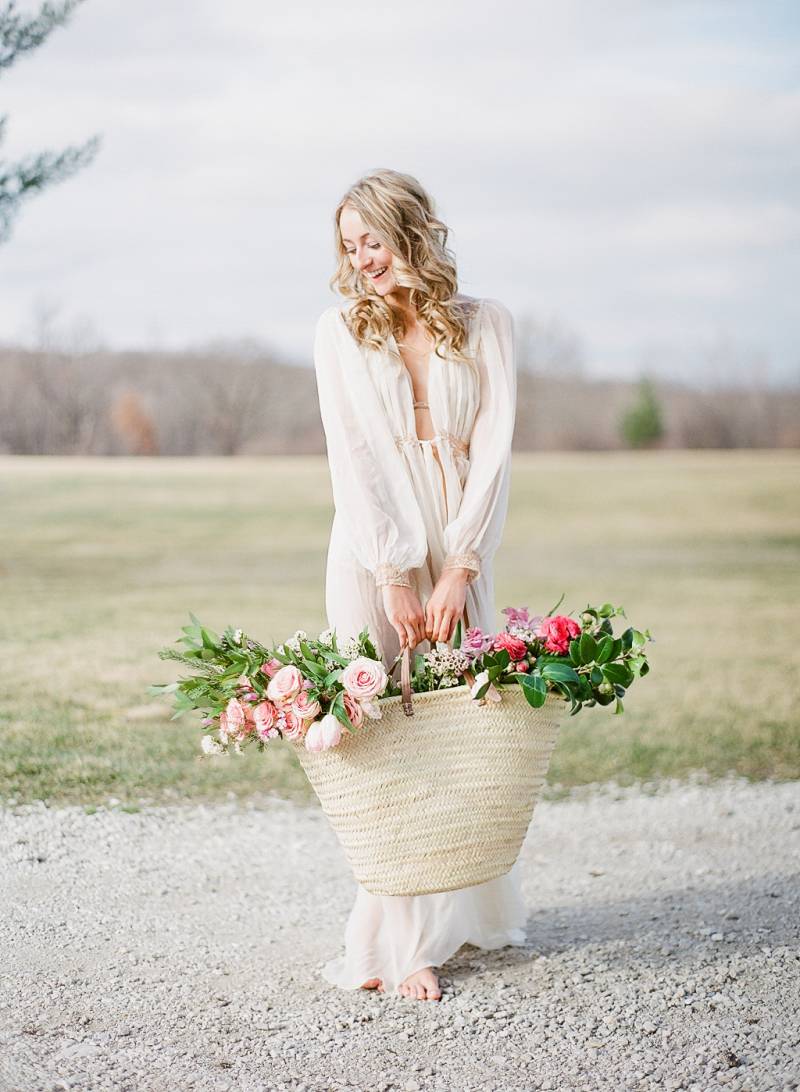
<point>630,170</point>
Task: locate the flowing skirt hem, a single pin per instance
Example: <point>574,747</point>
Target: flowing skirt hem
<point>351,975</point>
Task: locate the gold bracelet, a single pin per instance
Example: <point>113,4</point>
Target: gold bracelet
<point>392,574</point>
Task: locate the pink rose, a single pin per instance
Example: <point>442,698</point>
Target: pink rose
<point>285,685</point>
<point>557,633</point>
<point>264,716</point>
<point>364,679</point>
<point>522,666</point>
<point>513,645</point>
<point>295,725</point>
<point>304,707</point>
<point>355,713</point>
<point>271,667</point>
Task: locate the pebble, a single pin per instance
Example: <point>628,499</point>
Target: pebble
<point>180,946</point>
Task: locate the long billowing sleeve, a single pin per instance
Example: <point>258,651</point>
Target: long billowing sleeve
<point>372,492</point>
<point>475,533</point>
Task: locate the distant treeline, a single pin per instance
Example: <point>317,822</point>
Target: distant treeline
<point>218,403</point>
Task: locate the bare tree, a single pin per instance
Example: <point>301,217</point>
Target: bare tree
<point>20,34</point>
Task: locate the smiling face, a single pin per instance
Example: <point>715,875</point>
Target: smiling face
<point>371,259</point>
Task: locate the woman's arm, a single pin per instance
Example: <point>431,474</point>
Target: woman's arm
<point>473,536</point>
<point>371,490</point>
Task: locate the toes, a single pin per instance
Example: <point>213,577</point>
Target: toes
<point>419,990</point>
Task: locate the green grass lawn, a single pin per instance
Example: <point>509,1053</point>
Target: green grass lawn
<point>102,560</point>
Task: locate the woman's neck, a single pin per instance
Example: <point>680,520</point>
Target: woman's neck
<point>400,302</point>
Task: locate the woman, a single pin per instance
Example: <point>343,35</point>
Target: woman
<point>417,393</point>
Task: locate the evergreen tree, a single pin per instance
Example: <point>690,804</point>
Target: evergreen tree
<point>642,424</point>
<point>19,34</point>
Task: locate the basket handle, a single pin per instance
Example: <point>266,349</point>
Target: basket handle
<point>405,674</point>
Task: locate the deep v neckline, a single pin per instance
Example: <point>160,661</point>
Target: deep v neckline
<point>409,380</point>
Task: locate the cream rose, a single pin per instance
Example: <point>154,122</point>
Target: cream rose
<point>285,685</point>
<point>364,679</point>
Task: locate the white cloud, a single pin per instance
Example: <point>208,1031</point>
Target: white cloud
<point>631,168</point>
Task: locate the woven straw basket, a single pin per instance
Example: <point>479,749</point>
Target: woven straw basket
<point>439,792</point>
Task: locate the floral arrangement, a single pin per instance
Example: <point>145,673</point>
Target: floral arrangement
<point>308,690</point>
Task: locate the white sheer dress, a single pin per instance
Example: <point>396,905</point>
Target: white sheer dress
<point>407,507</point>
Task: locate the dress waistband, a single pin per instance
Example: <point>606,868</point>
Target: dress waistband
<point>450,437</point>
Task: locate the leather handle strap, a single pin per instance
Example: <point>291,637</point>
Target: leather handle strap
<point>405,672</point>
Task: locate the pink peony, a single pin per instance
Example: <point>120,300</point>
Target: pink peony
<point>304,707</point>
<point>271,667</point>
<point>557,633</point>
<point>285,685</point>
<point>515,647</point>
<point>475,642</point>
<point>517,616</point>
<point>354,710</point>
<point>364,679</point>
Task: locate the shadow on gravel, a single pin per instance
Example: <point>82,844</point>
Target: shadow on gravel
<point>729,917</point>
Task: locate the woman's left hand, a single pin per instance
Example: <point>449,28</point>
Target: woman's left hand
<point>446,605</point>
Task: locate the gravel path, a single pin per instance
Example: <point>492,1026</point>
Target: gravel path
<point>179,947</point>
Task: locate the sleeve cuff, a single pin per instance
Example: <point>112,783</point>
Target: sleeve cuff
<point>468,560</point>
<point>391,574</point>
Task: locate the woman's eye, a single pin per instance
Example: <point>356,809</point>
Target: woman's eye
<point>374,246</point>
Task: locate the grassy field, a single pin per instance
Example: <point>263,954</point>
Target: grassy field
<point>101,561</point>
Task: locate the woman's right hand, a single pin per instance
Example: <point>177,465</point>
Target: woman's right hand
<point>405,614</point>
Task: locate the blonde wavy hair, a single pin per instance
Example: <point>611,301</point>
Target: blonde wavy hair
<point>401,216</point>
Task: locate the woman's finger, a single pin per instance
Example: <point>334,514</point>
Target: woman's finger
<point>447,625</point>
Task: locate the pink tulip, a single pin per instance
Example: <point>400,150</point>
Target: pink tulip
<point>313,740</point>
<point>331,730</point>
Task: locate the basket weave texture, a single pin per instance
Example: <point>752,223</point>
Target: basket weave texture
<point>441,799</point>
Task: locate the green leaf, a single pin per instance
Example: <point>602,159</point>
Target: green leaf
<point>337,708</point>
<point>555,608</point>
<point>588,648</point>
<point>560,673</point>
<point>604,649</point>
<point>457,635</point>
<point>619,707</point>
<point>533,686</point>
<point>575,651</point>
<point>638,637</point>
<point>618,673</point>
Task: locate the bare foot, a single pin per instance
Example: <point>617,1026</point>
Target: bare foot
<point>372,984</point>
<point>422,986</point>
